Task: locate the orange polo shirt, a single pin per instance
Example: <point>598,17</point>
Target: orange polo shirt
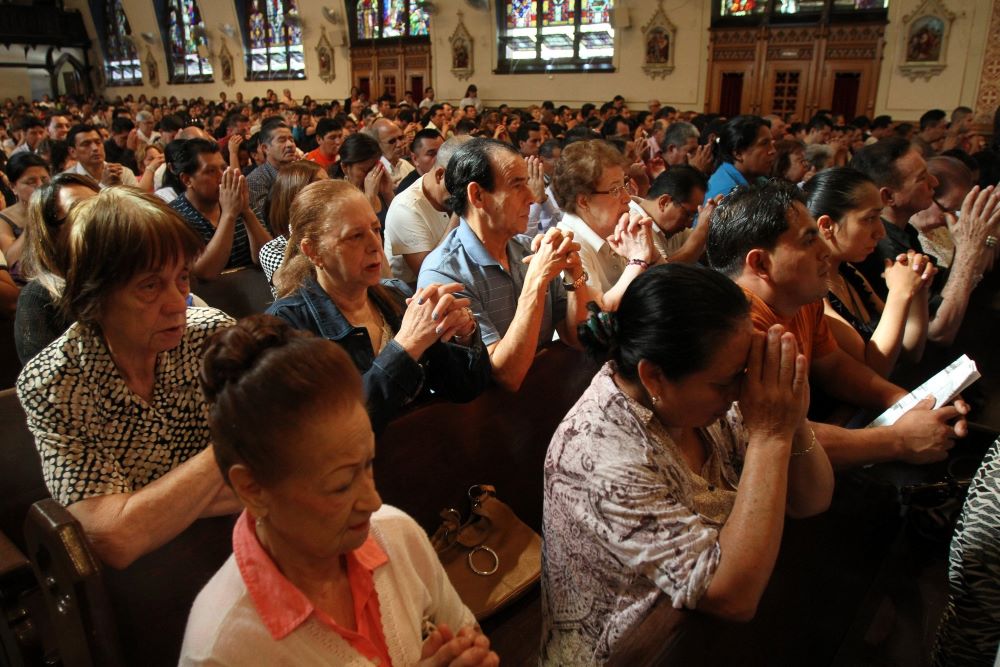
<point>320,159</point>
<point>283,607</point>
<point>808,324</point>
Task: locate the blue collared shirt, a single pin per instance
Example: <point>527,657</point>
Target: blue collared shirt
<point>724,180</point>
<point>462,258</point>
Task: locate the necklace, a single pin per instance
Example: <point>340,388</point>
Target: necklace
<point>855,306</point>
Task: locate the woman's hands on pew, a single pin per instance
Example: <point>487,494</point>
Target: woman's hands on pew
<point>469,648</point>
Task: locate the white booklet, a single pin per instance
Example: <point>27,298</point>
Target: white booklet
<point>944,387</point>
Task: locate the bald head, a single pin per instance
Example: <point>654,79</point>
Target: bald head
<point>389,137</point>
<point>193,132</point>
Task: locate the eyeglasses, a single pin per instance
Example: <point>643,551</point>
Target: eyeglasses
<point>617,190</point>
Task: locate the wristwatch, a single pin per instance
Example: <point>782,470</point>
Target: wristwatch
<point>576,284</point>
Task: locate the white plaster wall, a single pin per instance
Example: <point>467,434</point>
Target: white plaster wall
<point>957,85</point>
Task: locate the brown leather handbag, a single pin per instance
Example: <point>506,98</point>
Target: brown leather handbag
<point>493,558</point>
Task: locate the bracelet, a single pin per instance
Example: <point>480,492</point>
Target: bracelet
<point>638,262</point>
<point>812,445</point>
<point>578,283</point>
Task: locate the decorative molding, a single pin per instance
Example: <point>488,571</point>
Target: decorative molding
<point>734,54</point>
<point>462,65</point>
<point>850,53</point>
<point>924,47</point>
<point>660,38</point>
<point>790,53</point>
<point>988,97</point>
<point>226,71</point>
<point>324,53</point>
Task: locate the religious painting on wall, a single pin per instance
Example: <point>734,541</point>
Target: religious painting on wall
<point>226,65</point>
<point>924,40</point>
<point>324,53</point>
<point>659,35</point>
<point>461,50</point>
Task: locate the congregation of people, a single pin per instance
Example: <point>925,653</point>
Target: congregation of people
<point>750,286</point>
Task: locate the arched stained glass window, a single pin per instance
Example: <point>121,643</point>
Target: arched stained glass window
<point>121,61</point>
<point>555,35</point>
<point>187,45</point>
<point>273,34</point>
<point>390,19</point>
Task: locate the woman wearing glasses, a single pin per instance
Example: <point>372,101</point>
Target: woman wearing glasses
<point>592,190</point>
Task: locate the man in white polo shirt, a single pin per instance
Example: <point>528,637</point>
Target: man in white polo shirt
<point>417,219</point>
<point>673,201</point>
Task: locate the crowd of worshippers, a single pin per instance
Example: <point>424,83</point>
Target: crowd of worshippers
<point>749,284</point>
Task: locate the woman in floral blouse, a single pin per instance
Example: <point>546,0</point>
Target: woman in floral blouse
<point>673,473</point>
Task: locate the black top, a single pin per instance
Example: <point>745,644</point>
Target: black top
<point>896,242</point>
<point>856,281</point>
<point>37,322</point>
<point>407,181</point>
<point>123,156</point>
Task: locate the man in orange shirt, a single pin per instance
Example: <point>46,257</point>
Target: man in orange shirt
<point>764,238</point>
<point>329,134</point>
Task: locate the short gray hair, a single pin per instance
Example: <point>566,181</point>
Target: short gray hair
<point>448,149</point>
<point>679,133</point>
<point>143,116</point>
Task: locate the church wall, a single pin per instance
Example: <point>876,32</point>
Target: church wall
<point>957,85</point>
<point>685,88</point>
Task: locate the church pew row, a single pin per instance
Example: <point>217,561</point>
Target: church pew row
<point>425,462</point>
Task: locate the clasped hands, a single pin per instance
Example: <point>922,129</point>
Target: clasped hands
<point>553,252</point>
<point>435,314</point>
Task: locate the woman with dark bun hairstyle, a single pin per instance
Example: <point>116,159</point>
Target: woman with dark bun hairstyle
<point>321,573</point>
<point>673,473</point>
<point>847,207</point>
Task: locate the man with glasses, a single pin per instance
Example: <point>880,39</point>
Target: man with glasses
<point>390,140</point>
<point>673,201</point>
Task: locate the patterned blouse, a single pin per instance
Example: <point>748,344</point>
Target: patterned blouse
<point>94,435</point>
<point>626,520</point>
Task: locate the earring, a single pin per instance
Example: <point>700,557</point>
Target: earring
<point>655,399</point>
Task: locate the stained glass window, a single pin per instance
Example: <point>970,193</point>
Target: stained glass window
<point>742,7</point>
<point>122,61</point>
<point>390,19</point>
<point>419,19</point>
<point>187,45</point>
<point>555,35</point>
<point>274,38</point>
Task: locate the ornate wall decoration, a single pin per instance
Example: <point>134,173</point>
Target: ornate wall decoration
<point>659,35</point>
<point>925,46</point>
<point>226,65</point>
<point>988,97</point>
<point>462,65</point>
<point>152,71</point>
<point>324,52</point>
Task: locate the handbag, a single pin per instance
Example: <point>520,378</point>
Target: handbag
<point>493,558</point>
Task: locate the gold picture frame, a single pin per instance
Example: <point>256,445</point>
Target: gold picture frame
<point>924,46</point>
<point>462,65</point>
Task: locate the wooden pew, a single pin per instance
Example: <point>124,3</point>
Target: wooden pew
<point>237,292</point>
<point>427,460</point>
<point>20,469</point>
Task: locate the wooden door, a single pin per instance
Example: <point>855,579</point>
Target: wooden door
<point>785,90</point>
<point>391,69</point>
